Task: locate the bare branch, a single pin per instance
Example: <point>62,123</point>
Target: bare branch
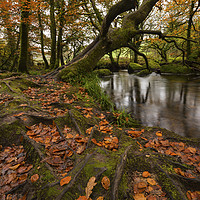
<point>141,54</point>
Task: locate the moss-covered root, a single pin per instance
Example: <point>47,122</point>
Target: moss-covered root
<point>118,174</point>
<point>74,174</point>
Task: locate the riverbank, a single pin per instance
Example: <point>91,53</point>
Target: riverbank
<point>60,142</point>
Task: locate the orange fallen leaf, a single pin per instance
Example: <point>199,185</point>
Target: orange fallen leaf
<point>159,133</point>
<point>105,182</point>
<point>19,114</point>
<point>146,174</point>
<point>100,198</point>
<point>88,131</point>
<point>139,197</point>
<point>82,198</point>
<point>69,136</point>
<point>65,180</point>
<point>14,167</point>
<point>151,181</point>
<point>90,185</point>
<point>34,178</point>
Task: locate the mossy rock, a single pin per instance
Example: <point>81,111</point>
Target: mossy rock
<point>144,72</point>
<point>102,72</point>
<point>153,64</point>
<point>175,69</point>
<point>134,67</point>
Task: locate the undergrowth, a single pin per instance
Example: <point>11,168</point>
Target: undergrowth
<point>91,83</point>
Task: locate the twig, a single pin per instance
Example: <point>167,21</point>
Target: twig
<point>103,169</point>
<point>9,87</point>
<point>118,174</point>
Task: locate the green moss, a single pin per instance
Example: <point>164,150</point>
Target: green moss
<point>168,186</point>
<point>102,72</point>
<point>134,67</point>
<point>9,133</point>
<point>143,72</point>
<point>175,68</point>
<point>153,64</point>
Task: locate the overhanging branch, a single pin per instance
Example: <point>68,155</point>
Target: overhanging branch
<point>141,54</point>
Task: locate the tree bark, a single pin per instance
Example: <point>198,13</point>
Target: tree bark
<point>191,14</point>
<point>53,34</point>
<point>60,33</point>
<point>24,26</point>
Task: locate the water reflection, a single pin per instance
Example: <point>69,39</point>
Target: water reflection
<point>165,101</point>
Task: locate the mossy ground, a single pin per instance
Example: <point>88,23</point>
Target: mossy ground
<point>139,159</point>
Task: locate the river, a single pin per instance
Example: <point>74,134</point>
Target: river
<point>171,102</point>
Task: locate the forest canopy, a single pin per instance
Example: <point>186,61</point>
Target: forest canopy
<point>53,33</point>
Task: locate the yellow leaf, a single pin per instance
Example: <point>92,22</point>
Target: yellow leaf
<point>90,185</point>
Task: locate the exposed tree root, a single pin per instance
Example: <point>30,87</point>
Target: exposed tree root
<point>91,135</point>
<point>80,168</point>
<point>189,183</point>
<point>74,122</point>
<point>63,137</point>
<point>118,174</point>
<point>182,195</point>
<point>41,155</point>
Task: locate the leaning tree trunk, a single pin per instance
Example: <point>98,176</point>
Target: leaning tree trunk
<point>110,39</point>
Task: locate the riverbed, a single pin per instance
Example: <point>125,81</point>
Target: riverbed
<point>171,102</point>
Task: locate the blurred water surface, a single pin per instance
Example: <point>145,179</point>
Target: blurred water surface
<point>171,102</point>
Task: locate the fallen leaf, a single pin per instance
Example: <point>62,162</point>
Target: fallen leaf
<point>14,167</point>
<point>159,133</point>
<point>88,131</point>
<point>82,198</point>
<point>65,180</point>
<point>80,149</point>
<point>105,182</point>
<point>34,178</point>
<point>139,197</point>
<point>151,181</point>
<point>100,198</point>
<point>146,174</point>
<point>90,185</point>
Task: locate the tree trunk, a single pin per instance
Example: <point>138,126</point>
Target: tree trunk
<point>24,26</point>
<point>110,39</point>
<point>60,32</point>
<point>46,64</point>
<point>53,34</point>
<point>16,55</point>
<point>189,30</point>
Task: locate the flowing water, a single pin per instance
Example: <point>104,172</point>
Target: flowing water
<point>170,102</point>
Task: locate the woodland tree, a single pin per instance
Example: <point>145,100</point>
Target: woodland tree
<point>111,39</point>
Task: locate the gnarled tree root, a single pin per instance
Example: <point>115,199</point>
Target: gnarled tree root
<point>118,174</point>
